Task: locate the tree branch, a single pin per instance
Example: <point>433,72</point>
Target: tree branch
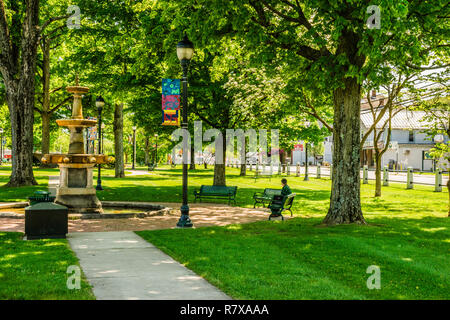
<point>53,19</point>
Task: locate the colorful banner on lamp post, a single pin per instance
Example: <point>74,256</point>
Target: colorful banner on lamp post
<point>170,102</point>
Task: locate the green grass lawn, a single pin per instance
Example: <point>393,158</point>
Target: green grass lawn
<point>37,269</point>
<point>407,237</point>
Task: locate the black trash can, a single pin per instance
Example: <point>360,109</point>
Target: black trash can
<point>46,220</point>
<point>41,196</point>
<point>276,206</point>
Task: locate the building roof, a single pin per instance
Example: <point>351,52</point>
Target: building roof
<point>377,101</point>
<point>405,119</point>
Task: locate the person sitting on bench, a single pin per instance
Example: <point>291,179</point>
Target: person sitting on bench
<point>285,191</point>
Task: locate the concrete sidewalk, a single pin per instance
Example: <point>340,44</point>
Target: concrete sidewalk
<point>123,266</point>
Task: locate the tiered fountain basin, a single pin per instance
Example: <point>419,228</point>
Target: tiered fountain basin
<point>76,190</point>
<point>76,159</point>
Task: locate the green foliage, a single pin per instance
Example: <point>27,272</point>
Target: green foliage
<point>37,269</point>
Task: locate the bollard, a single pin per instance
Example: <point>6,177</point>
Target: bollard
<point>438,180</point>
<point>331,171</point>
<point>288,169</point>
<point>365,174</point>
<point>256,167</point>
<point>318,172</point>
<point>251,166</point>
<point>298,170</point>
<point>409,178</point>
<point>279,169</point>
<point>385,176</point>
<point>284,167</point>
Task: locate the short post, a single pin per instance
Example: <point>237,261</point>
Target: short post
<point>409,178</point>
<point>365,175</point>
<point>318,171</point>
<point>279,169</point>
<point>256,167</point>
<point>385,176</point>
<point>251,166</point>
<point>271,169</point>
<point>284,167</point>
<point>331,171</point>
<point>288,169</point>
<point>263,168</point>
<point>438,180</point>
<point>298,170</point>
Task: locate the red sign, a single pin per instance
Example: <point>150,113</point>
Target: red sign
<point>298,147</point>
<point>7,156</point>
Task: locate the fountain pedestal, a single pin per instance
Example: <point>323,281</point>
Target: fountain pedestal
<point>76,190</point>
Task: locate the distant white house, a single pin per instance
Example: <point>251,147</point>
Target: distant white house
<point>409,145</point>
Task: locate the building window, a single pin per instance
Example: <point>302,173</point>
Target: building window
<point>411,136</point>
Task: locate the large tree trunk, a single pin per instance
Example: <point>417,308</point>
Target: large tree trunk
<point>283,160</point>
<point>345,204</point>
<point>21,114</point>
<point>45,145</point>
<point>219,169</point>
<point>147,150</point>
<point>377,173</point>
<point>45,114</point>
<point>118,140</point>
<point>243,159</point>
<point>19,79</point>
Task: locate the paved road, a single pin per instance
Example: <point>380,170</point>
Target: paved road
<point>123,266</point>
<point>425,179</point>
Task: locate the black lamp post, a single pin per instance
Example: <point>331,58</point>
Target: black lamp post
<point>99,103</point>
<point>185,50</point>
<point>156,150</point>
<point>1,146</point>
<point>134,147</point>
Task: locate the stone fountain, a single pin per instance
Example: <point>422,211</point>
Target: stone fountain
<point>76,190</point>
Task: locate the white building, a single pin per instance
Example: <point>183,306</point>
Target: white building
<point>409,143</point>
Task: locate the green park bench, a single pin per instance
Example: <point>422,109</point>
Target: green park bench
<point>265,197</point>
<point>281,203</point>
<point>223,192</point>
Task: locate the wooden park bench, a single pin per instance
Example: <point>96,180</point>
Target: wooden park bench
<point>265,197</point>
<point>222,192</point>
<point>281,203</point>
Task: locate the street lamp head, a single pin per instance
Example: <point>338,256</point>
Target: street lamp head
<point>1,130</point>
<point>99,102</point>
<point>103,125</point>
<point>134,128</point>
<point>156,135</point>
<point>185,49</point>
